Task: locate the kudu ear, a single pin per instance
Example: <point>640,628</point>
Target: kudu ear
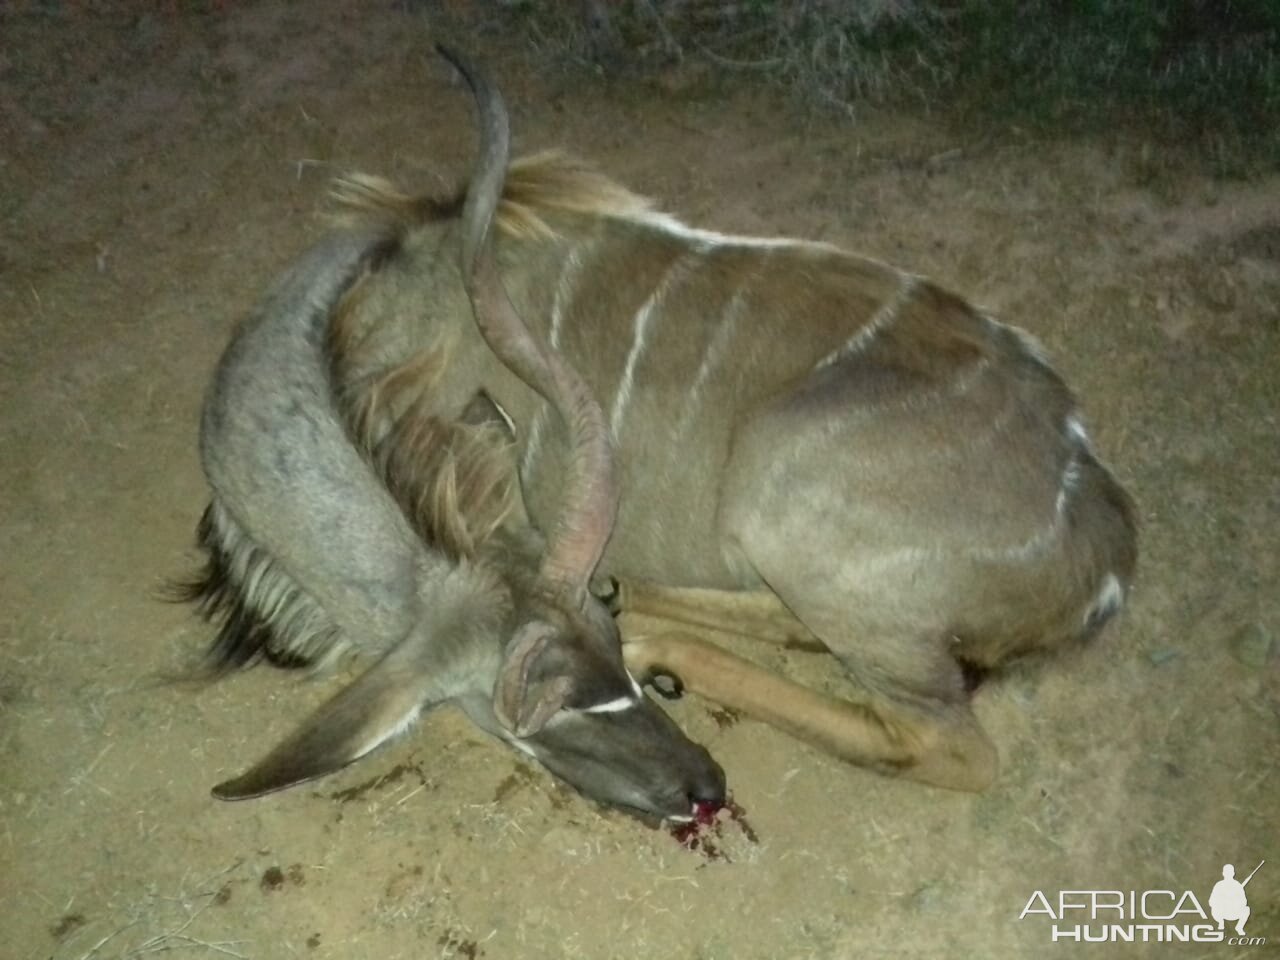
<point>385,700</point>
<point>526,695</point>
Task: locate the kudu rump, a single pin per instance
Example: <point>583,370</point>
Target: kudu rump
<point>809,444</point>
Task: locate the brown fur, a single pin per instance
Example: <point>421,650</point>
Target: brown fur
<point>1026,562</point>
<point>455,481</point>
<point>536,185</point>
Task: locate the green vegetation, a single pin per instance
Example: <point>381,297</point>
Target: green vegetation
<point>1204,73</point>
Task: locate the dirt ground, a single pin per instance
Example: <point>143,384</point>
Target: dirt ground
<point>157,168</point>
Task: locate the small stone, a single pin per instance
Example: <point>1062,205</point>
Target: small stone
<point>1252,645</point>
<point>1159,658</point>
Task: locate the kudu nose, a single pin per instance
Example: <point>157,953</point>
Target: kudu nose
<point>708,786</point>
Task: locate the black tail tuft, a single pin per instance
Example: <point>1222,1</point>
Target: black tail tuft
<point>244,637</point>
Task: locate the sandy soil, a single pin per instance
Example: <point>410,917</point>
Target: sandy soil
<point>156,168</point>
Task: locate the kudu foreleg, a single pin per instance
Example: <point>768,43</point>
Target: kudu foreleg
<point>943,747</point>
<point>755,615</point>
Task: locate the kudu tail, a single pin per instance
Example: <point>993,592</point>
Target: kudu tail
<point>261,613</point>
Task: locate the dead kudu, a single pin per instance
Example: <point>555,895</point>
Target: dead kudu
<point>365,510</point>
<point>811,445</point>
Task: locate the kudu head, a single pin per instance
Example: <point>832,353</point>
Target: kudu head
<point>563,692</point>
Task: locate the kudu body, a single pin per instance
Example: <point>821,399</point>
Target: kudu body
<point>362,509</point>
<point>810,445</point>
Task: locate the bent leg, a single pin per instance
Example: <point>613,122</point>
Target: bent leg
<point>754,614</point>
<point>944,748</point>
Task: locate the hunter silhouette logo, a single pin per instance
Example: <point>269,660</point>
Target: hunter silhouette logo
<point>1148,916</point>
<point>1228,901</point>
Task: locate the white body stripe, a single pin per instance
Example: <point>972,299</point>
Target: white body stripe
<point>716,350</point>
<point>639,340</point>
<point>628,374</point>
<point>564,288</point>
<point>713,238</point>
<point>887,313</point>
